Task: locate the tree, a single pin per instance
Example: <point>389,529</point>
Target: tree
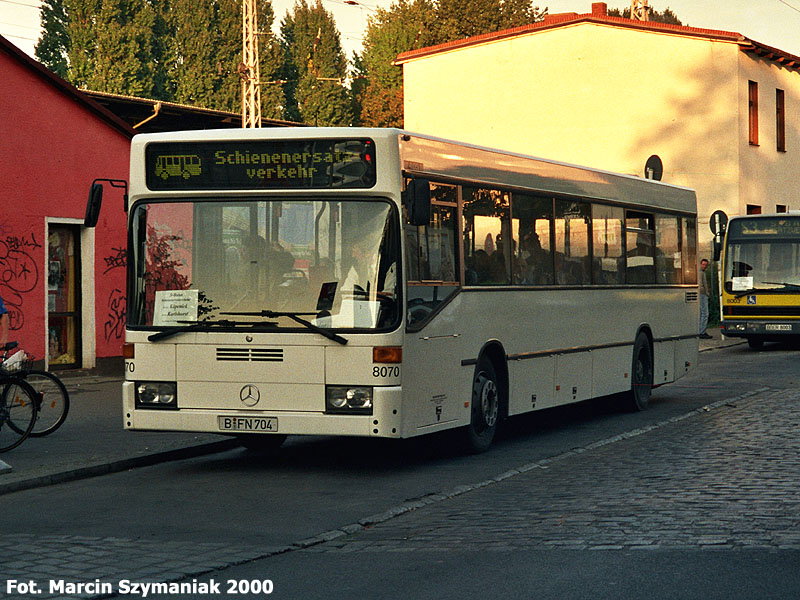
<point>378,86</point>
<point>314,66</point>
<point>457,19</point>
<point>666,16</point>
<point>410,24</point>
<point>111,45</point>
<point>52,47</point>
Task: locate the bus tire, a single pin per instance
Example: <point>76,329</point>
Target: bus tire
<point>756,343</point>
<point>484,408</point>
<point>641,374</point>
<point>262,443</point>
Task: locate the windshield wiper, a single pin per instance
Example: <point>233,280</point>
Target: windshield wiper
<point>199,326</point>
<point>785,284</point>
<point>294,316</point>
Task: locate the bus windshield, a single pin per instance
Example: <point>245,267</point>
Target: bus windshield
<point>334,262</point>
<point>762,265</point>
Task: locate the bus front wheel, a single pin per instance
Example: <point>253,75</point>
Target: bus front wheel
<point>485,408</point>
<point>756,343</point>
<point>641,374</point>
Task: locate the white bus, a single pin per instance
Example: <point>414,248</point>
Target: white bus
<point>374,282</point>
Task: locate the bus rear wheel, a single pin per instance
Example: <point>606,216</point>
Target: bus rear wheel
<point>641,374</point>
<point>485,408</point>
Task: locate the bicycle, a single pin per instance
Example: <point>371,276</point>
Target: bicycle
<point>52,401</point>
<point>18,402</point>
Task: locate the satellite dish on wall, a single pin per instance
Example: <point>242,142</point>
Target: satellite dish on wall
<point>653,168</point>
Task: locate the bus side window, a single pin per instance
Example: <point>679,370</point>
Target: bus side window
<point>432,258</point>
<point>533,256</point>
<point>640,248</point>
<point>608,257</point>
<point>487,236</point>
<point>668,253</point>
<point>689,250</point>
<point>573,265</point>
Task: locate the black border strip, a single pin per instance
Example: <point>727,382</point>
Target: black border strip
<point>576,349</point>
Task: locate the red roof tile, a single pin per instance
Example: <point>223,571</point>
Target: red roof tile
<point>564,19</point>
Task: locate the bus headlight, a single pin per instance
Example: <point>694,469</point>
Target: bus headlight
<point>156,394</point>
<point>348,399</point>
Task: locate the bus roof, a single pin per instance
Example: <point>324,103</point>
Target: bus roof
<point>435,157</point>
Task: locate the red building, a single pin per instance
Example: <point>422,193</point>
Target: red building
<point>63,284</point>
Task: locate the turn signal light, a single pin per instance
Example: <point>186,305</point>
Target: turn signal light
<point>387,354</point>
<point>127,351</point>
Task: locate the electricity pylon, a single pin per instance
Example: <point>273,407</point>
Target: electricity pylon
<point>249,69</point>
<point>640,11</point>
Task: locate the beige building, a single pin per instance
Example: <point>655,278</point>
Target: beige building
<point>720,111</point>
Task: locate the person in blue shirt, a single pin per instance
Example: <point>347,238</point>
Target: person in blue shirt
<point>3,324</point>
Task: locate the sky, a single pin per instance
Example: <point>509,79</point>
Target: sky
<point>772,22</point>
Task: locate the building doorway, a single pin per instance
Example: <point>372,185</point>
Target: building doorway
<point>63,296</point>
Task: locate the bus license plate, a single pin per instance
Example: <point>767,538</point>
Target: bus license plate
<point>254,424</point>
<point>782,327</point>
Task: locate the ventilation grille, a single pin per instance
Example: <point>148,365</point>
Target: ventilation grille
<point>250,354</point>
<point>691,296</point>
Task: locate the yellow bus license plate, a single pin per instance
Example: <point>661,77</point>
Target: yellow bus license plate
<point>249,424</point>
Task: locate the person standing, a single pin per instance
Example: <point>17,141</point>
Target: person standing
<point>702,288</point>
<point>3,324</point>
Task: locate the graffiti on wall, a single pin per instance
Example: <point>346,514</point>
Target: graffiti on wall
<point>19,273</point>
<point>114,326</point>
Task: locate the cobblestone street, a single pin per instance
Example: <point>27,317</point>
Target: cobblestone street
<point>726,477</point>
<point>722,477</point>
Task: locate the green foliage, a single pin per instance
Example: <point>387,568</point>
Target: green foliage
<point>457,19</point>
<point>666,16</point>
<point>52,47</point>
<point>410,24</point>
<point>176,50</point>
<point>314,67</point>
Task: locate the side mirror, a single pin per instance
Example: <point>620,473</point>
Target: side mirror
<point>96,199</point>
<point>417,200</point>
<point>718,223</point>
<point>93,205</point>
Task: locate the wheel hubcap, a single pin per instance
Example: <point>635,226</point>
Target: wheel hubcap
<point>489,403</point>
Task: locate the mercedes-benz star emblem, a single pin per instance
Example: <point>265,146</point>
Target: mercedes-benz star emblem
<point>249,395</point>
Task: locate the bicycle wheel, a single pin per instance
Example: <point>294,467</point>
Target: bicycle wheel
<point>53,401</point>
<point>17,412</point>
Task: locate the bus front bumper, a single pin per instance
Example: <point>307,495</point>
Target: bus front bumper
<point>385,420</point>
<point>749,328</point>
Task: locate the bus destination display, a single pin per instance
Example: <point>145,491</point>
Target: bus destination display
<point>260,164</point>
<point>768,227</point>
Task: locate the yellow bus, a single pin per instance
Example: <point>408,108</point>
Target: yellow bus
<point>761,278</point>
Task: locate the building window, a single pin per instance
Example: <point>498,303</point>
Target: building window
<point>780,208</point>
<point>753,112</point>
<point>780,120</point>
<point>753,209</point>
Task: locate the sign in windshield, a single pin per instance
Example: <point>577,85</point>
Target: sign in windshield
<point>258,164</point>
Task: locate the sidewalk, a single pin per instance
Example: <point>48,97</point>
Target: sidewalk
<point>718,340</point>
<point>93,442</point>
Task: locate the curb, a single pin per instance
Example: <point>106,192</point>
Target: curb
<point>117,466</point>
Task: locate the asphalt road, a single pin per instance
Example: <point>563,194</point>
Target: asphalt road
<point>583,501</point>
